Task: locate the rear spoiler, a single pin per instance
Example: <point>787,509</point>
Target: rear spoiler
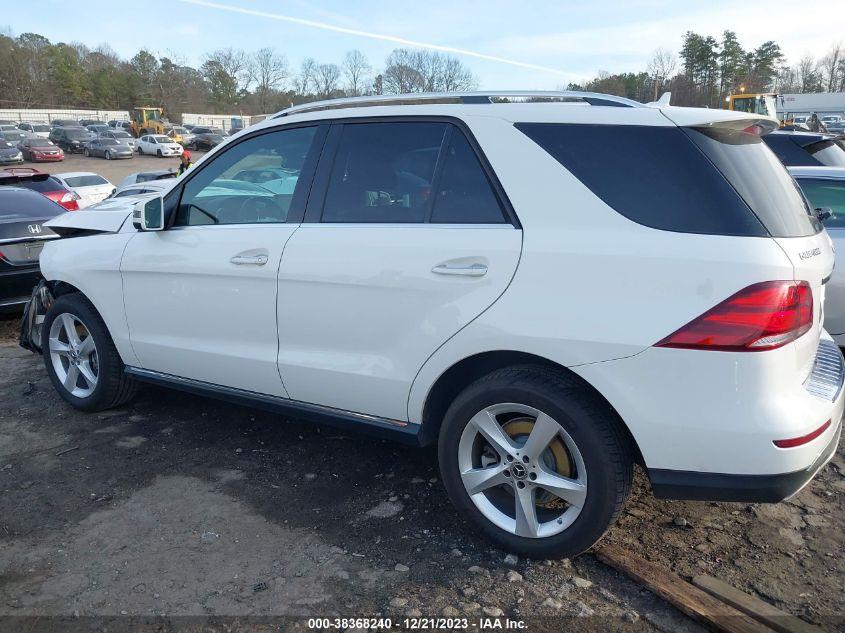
<point>11,179</point>
<point>726,119</point>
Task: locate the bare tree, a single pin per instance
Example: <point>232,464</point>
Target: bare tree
<point>425,71</point>
<point>328,80</point>
<point>807,76</point>
<point>661,68</point>
<point>831,65</point>
<point>356,69</point>
<point>269,71</point>
<point>306,82</point>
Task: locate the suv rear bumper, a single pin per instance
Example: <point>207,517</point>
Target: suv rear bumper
<point>680,484</point>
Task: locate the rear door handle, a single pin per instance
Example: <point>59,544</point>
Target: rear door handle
<point>249,260</point>
<point>466,270</point>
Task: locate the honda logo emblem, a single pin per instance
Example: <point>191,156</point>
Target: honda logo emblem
<point>35,229</point>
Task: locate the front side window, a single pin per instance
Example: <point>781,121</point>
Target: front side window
<point>826,193</point>
<point>226,191</point>
<point>408,172</point>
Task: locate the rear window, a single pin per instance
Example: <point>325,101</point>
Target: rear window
<point>827,153</point>
<point>41,186</point>
<point>86,181</point>
<point>652,175</point>
<point>760,179</point>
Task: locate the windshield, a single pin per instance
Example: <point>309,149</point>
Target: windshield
<point>91,180</point>
<point>161,139</point>
<point>6,145</point>
<point>108,141</point>
<point>121,135</point>
<point>76,134</point>
<point>214,137</point>
<point>759,177</point>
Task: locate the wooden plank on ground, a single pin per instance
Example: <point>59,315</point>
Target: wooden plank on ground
<point>696,603</point>
<point>758,609</point>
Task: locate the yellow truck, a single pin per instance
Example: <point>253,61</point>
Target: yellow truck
<point>146,120</point>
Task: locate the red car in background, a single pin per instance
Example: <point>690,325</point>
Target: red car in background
<point>38,150</point>
<point>43,183</point>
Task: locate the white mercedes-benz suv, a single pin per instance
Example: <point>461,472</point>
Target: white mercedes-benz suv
<point>551,287</point>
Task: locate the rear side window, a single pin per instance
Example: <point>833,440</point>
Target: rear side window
<point>652,175</point>
<point>759,178</point>
<point>408,172</point>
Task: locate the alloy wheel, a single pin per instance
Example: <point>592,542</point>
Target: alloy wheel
<point>73,354</point>
<point>522,470</point>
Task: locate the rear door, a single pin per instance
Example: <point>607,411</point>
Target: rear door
<point>407,239</point>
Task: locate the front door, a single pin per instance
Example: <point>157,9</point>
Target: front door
<point>406,243</point>
<point>200,296</point>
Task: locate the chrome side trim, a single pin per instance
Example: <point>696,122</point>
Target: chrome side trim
<point>828,372</point>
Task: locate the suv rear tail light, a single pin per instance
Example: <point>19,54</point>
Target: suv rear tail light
<point>68,197</point>
<point>760,317</point>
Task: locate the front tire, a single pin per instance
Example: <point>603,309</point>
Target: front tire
<point>108,154</point>
<point>536,460</point>
<point>160,154</point>
<point>81,358</point>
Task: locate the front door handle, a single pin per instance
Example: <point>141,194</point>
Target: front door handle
<point>466,270</point>
<point>249,260</point>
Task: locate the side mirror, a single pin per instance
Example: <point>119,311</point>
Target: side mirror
<point>823,213</point>
<point>148,214</point>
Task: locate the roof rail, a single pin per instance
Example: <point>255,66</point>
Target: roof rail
<point>502,96</point>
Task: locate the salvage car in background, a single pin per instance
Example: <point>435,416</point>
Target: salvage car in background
<point>108,148</point>
<point>37,150</point>
<point>38,129</point>
<point>146,176</point>
<point>121,137</point>
<point>824,187</point>
<point>71,139</point>
<point>159,145</point>
<point>10,154</point>
<point>205,141</point>
<point>90,188</point>
<point>22,235</point>
<point>42,183</point>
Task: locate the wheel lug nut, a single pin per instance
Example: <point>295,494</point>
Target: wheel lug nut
<point>507,473</point>
<point>532,476</point>
<point>520,484</point>
<point>525,459</point>
<point>510,458</point>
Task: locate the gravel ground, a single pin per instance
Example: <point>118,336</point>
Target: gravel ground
<point>179,506</point>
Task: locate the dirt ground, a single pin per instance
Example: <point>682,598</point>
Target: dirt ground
<point>112,170</point>
<point>178,506</point>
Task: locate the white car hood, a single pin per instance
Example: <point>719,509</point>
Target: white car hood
<point>105,217</point>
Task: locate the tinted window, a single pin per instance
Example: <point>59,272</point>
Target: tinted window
<point>652,175</point>
<point>15,203</point>
<point>826,193</point>
<point>759,178</point>
<point>218,195</point>
<point>464,195</point>
<point>86,181</point>
<point>131,192</point>
<point>49,184</point>
<point>383,172</point>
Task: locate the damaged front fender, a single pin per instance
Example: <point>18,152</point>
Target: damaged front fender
<point>33,317</point>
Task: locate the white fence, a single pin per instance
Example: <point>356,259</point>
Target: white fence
<point>46,116</point>
<point>216,120</point>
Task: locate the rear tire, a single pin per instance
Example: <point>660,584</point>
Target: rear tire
<point>86,152</point>
<point>88,374</point>
<point>548,431</point>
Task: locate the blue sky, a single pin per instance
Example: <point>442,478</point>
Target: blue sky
<point>538,44</point>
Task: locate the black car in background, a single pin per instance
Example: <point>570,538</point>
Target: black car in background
<point>806,149</point>
<point>206,141</point>
<point>71,139</point>
<point>22,236</point>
